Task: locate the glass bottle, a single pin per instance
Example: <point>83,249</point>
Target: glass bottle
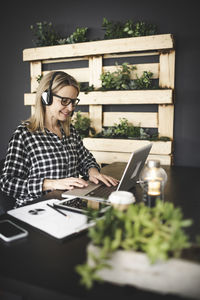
<point>153,179</point>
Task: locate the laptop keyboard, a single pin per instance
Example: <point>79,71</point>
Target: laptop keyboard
<point>102,191</point>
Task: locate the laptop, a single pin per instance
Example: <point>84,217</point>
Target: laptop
<point>127,182</point>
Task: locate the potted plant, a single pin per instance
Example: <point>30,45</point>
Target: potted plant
<point>142,246</point>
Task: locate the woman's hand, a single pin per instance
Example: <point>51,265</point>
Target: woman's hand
<point>95,177</point>
<point>63,184</point>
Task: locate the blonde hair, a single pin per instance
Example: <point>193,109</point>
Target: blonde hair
<point>36,121</point>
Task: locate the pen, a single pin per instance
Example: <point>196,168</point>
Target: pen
<point>59,211</point>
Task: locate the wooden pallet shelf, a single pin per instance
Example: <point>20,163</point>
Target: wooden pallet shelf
<point>146,43</point>
<point>95,54</point>
<point>108,150</point>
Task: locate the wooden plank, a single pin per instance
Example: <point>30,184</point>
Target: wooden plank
<point>80,74</point>
<point>32,110</point>
<point>83,74</point>
<point>142,119</point>
<point>119,97</point>
<point>166,120</point>
<point>29,99</point>
<point>95,70</point>
<point>60,60</point>
<point>127,97</point>
<point>167,70</point>
<point>154,42</point>
<point>110,157</point>
<point>126,145</point>
<point>140,68</point>
<point>96,117</point>
<point>134,54</point>
<point>35,71</point>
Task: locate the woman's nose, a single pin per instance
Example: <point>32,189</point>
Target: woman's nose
<point>70,106</point>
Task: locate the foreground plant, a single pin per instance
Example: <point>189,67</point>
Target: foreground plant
<point>157,231</point>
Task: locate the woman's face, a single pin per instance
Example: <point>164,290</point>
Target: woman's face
<point>56,110</point>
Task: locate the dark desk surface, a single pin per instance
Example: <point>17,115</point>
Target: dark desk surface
<point>41,267</point>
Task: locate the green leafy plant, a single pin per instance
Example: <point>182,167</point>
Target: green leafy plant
<point>121,79</point>
<point>83,125</point>
<point>125,129</point>
<point>114,30</point>
<point>118,80</point>
<point>157,231</point>
<point>38,78</point>
<point>78,36</point>
<point>144,82</point>
<point>86,89</point>
<point>139,29</point>
<point>45,34</point>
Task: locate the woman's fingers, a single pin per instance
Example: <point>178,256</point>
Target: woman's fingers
<point>107,180</point>
<point>70,183</point>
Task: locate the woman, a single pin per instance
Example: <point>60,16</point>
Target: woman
<point>45,152</point>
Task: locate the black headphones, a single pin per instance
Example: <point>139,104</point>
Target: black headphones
<point>47,97</point>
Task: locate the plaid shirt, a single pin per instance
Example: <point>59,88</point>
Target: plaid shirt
<point>32,157</point>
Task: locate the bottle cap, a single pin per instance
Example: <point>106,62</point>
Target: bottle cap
<point>153,163</point>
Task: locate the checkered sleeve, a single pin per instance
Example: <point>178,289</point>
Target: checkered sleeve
<point>85,158</point>
<point>15,174</point>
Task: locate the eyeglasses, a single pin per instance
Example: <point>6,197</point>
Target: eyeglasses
<point>66,100</point>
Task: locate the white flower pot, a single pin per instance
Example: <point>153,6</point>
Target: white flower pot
<point>175,276</point>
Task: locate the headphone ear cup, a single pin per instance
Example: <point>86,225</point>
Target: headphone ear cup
<point>47,97</point>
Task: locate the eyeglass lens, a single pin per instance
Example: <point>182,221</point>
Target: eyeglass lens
<point>66,101</point>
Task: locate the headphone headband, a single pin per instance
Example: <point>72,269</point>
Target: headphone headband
<point>47,98</point>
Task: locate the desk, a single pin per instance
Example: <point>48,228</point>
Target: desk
<point>41,267</point>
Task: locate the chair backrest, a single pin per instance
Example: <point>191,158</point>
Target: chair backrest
<point>1,165</point>
<point>6,202</point>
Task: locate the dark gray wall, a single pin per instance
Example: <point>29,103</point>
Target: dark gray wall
<point>181,18</point>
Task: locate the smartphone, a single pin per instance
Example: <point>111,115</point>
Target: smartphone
<point>81,205</point>
<point>9,231</point>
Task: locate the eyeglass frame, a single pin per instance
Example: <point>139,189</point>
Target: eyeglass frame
<point>70,100</point>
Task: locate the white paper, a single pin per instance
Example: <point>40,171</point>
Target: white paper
<point>51,221</point>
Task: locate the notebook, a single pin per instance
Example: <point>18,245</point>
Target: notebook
<point>50,221</point>
<point>127,182</point>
